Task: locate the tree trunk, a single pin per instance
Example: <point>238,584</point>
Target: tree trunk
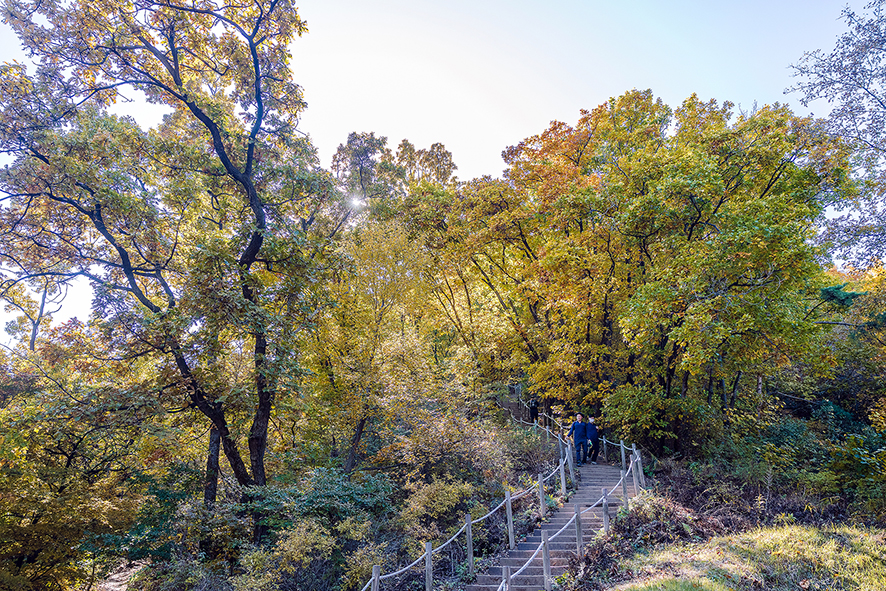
<point>351,461</point>
<point>210,486</point>
<point>711,383</point>
<point>210,483</point>
<point>759,398</point>
<point>671,369</point>
<point>734,390</point>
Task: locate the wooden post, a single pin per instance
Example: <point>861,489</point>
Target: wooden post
<point>542,506</point>
<point>622,445</point>
<point>606,449</point>
<point>376,573</point>
<point>624,486</point>
<point>640,467</point>
<point>429,568</point>
<point>451,560</point>
<point>470,544</point>
<point>570,457</point>
<point>578,541</point>
<point>546,558</point>
<point>506,577</point>
<point>509,511</point>
<point>560,447</point>
<point>634,473</point>
<point>563,477</point>
<point>605,512</point>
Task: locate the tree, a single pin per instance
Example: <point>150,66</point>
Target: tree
<point>203,238</point>
<point>364,167</point>
<point>34,314</point>
<point>852,78</point>
<point>641,248</point>
<point>69,440</point>
<point>378,297</point>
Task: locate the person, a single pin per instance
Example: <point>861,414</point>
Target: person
<point>579,433</point>
<point>533,409</point>
<point>594,437</point>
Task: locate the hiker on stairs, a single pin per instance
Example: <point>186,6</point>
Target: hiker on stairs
<point>579,433</point>
<point>594,437</point>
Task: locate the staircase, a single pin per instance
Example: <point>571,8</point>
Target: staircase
<point>593,480</point>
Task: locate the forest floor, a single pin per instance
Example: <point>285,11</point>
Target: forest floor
<point>707,532</point>
<point>779,558</point>
<point>119,579</point>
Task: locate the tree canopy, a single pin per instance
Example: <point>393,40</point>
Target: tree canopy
<point>852,79</point>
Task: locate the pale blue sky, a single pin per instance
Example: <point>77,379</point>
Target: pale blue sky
<point>482,75</point>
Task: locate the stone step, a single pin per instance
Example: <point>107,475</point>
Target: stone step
<point>560,543</point>
<point>521,580</point>
<point>520,557</point>
<point>593,480</point>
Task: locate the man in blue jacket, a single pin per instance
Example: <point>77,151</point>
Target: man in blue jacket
<point>579,433</point>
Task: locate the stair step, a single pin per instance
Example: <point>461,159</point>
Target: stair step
<point>593,480</point>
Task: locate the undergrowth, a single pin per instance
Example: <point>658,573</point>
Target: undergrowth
<point>661,544</point>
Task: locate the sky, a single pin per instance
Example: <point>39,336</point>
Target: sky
<point>481,75</point>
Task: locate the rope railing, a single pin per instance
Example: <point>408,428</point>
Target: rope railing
<point>377,577</point>
<point>634,468</point>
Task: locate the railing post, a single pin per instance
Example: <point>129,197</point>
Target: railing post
<point>606,449</point>
<point>560,446</point>
<point>578,541</point>
<point>605,512</point>
<point>509,511</point>
<point>640,467</point>
<point>470,544</point>
<point>622,445</point>
<point>634,472</point>
<point>506,577</point>
<point>542,506</point>
<point>546,558</point>
<point>429,568</point>
<point>376,573</point>
<point>570,457</point>
<point>624,486</point>
<point>563,477</point>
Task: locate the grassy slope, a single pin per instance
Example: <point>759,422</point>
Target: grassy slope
<point>789,557</point>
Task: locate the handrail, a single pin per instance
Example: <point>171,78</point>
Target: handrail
<point>635,459</point>
<point>630,469</point>
<point>519,495</point>
<point>543,414</point>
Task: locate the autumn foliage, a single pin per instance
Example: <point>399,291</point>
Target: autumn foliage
<point>290,373</point>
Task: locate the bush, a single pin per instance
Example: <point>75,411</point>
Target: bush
<point>433,511</point>
<point>645,416</point>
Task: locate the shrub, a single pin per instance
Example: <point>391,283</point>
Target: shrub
<point>646,417</point>
<point>432,510</point>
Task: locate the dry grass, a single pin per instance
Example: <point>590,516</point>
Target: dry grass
<point>781,558</point>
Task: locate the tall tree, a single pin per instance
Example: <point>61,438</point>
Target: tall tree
<point>852,79</point>
<point>642,247</point>
<point>202,237</point>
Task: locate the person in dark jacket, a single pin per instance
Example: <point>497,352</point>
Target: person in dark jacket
<point>533,409</point>
<point>579,433</point>
<point>594,437</point>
